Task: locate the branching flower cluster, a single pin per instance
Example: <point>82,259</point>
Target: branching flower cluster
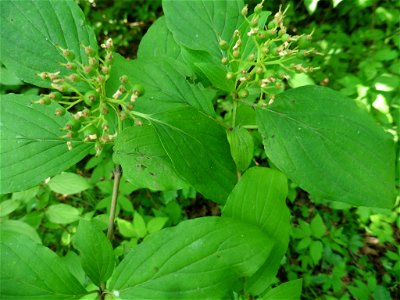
<point>91,110</point>
<point>271,57</point>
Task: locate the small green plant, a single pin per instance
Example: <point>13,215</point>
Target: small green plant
<point>158,114</point>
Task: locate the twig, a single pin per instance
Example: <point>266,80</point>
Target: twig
<point>114,199</point>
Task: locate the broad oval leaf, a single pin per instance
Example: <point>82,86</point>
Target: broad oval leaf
<point>31,145</point>
<point>196,259</point>
<point>330,147</point>
<point>193,144</point>
<point>68,183</point>
<point>199,25</point>
<point>96,252</point>
<point>242,147</point>
<point>259,198</point>
<point>62,213</point>
<point>144,160</point>
<point>32,271</point>
<point>32,32</point>
<point>163,79</point>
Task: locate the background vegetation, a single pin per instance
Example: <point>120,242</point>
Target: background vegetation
<point>341,252</point>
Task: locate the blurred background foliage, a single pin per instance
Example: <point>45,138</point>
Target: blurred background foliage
<point>341,252</point>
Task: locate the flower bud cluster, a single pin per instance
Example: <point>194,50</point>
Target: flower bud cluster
<point>90,111</point>
<point>272,59</point>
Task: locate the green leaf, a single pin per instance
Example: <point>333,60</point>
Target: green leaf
<point>96,252</point>
<point>317,227</point>
<point>316,249</point>
<point>8,206</point>
<point>8,78</point>
<point>126,228</point>
<point>290,290</point>
<point>62,214</point>
<point>156,224</point>
<point>31,271</point>
<point>242,147</point>
<point>32,32</point>
<point>196,259</point>
<point>68,183</point>
<point>199,25</point>
<point>163,79</point>
<point>139,225</point>
<point>329,147</point>
<point>158,41</point>
<point>195,145</point>
<point>31,145</point>
<point>19,228</point>
<point>144,160</point>
<point>259,199</point>
<point>216,74</point>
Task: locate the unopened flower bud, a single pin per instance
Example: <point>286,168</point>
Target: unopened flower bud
<point>117,94</point>
<point>123,79</point>
<point>229,75</point>
<point>254,21</point>
<point>129,106</point>
<point>105,69</point>
<point>70,66</point>
<point>45,100</point>
<point>122,89</point>
<point>60,111</point>
<point>258,8</point>
<point>223,44</point>
<point>43,75</point>
<point>133,98</point>
<point>92,61</point>
<point>245,10</point>
<point>68,54</point>
<point>89,51</point>
<point>224,60</point>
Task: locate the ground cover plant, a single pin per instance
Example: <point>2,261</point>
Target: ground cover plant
<point>185,115</point>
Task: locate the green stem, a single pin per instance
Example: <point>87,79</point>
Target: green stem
<point>114,199</point>
<point>234,110</point>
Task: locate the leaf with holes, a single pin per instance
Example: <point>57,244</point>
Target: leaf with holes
<point>186,142</point>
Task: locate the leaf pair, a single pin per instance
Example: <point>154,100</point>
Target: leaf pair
<point>195,260</point>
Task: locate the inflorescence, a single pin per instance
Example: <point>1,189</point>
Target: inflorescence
<point>271,60</point>
<point>90,111</point>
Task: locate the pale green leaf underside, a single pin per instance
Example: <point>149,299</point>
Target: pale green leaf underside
<point>68,183</point>
<point>96,252</point>
<point>31,31</point>
<point>31,147</point>
<point>30,271</point>
<point>259,198</point>
<point>330,147</point>
<point>196,259</point>
<point>192,143</point>
<point>199,25</point>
